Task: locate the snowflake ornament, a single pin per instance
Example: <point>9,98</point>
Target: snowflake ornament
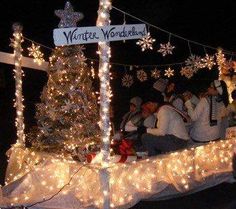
<point>68,105</point>
<point>194,62</point>
<point>187,72</point>
<point>208,61</point>
<point>35,52</point>
<point>166,49</point>
<point>127,80</point>
<point>155,73</point>
<point>45,128</point>
<point>146,42</point>
<point>169,72</point>
<point>142,75</point>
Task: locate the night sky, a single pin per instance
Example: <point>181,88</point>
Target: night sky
<point>208,22</point>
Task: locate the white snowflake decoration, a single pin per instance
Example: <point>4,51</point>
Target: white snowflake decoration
<point>194,62</point>
<point>166,49</point>
<point>35,52</point>
<point>45,128</point>
<point>169,72</point>
<point>68,105</point>
<point>127,80</point>
<point>208,61</point>
<point>187,72</point>
<point>155,73</point>
<point>142,75</point>
<point>146,42</point>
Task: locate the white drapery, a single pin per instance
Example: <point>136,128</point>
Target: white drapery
<point>54,183</point>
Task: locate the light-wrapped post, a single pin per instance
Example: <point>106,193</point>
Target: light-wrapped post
<point>105,94</point>
<point>16,44</point>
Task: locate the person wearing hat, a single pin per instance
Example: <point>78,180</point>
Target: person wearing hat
<point>168,90</point>
<point>133,116</point>
<point>160,85</point>
<point>208,121</point>
<point>169,133</point>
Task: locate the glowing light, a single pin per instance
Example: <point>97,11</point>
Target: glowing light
<point>169,72</point>
<point>35,52</point>
<point>16,44</point>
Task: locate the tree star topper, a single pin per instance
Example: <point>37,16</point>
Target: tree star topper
<point>69,18</point>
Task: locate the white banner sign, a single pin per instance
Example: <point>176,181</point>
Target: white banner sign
<point>86,35</point>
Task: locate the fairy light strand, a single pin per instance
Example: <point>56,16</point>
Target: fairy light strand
<point>104,57</point>
<point>105,94</point>
<point>185,170</point>
<point>16,44</point>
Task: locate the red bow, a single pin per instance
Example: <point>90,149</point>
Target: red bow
<point>126,147</point>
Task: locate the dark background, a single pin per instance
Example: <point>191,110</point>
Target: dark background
<point>208,22</point>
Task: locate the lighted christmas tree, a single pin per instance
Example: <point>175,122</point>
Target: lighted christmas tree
<point>68,114</point>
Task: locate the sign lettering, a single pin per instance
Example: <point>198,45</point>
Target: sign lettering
<point>84,35</point>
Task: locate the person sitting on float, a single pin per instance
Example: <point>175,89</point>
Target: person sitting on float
<point>206,115</point>
<point>169,134</point>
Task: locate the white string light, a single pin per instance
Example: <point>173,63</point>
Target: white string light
<point>184,170</point>
<point>16,44</point>
<point>104,52</point>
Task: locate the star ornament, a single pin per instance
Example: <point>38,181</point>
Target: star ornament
<point>68,17</point>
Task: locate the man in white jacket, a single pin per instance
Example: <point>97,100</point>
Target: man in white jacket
<point>170,133</point>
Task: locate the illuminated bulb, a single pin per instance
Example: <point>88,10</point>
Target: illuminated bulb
<point>103,15</point>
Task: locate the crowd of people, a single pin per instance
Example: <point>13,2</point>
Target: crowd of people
<point>167,120</point>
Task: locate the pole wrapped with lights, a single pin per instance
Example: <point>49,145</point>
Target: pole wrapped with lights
<point>104,75</point>
<point>105,94</point>
<point>16,44</point>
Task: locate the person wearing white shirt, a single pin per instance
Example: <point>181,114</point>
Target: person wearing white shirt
<point>168,90</point>
<point>149,119</point>
<point>206,116</point>
<point>170,133</point>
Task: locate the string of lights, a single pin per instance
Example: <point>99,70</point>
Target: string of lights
<point>104,53</point>
<point>61,189</point>
<point>16,44</point>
